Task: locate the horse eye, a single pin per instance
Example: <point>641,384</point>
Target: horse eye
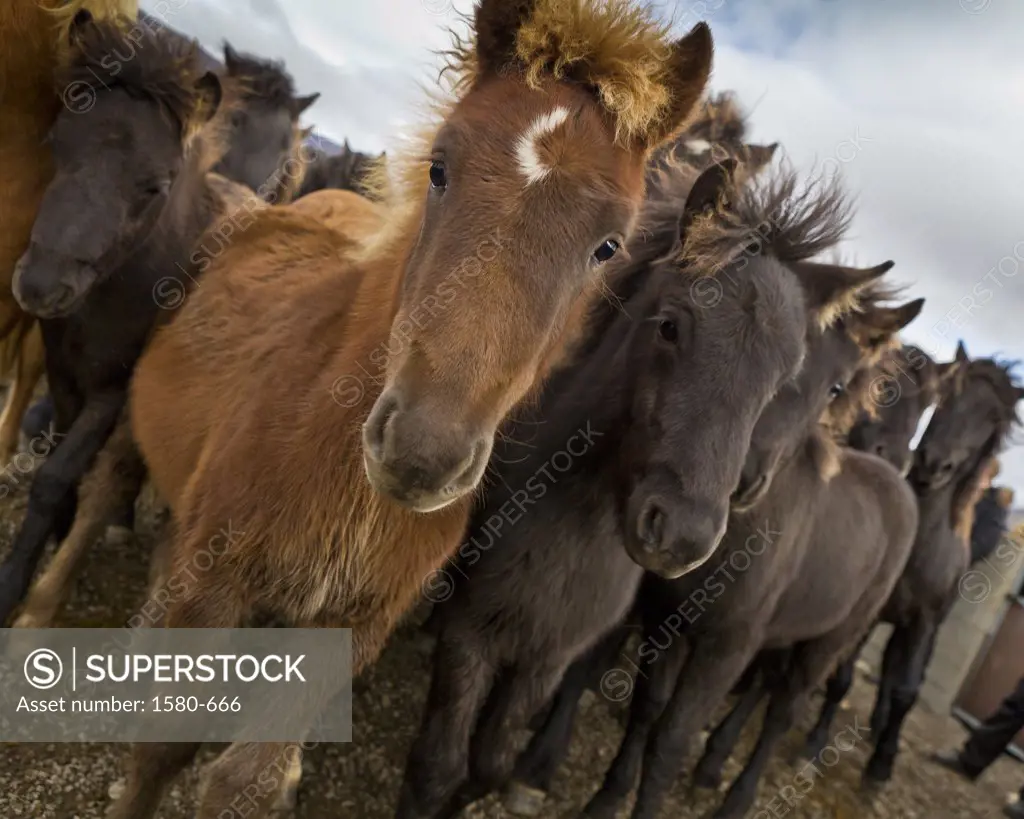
<point>157,187</point>
<point>836,390</point>
<point>667,330</point>
<point>438,177</point>
<point>607,249</point>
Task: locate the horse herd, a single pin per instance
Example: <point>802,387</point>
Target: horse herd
<point>573,357</point>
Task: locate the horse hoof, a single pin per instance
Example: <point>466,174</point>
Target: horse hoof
<point>522,800</point>
<point>119,535</point>
<point>876,775</point>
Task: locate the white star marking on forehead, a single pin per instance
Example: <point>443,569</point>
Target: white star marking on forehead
<point>526,147</point>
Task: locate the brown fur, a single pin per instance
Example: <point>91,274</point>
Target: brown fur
<point>252,372</point>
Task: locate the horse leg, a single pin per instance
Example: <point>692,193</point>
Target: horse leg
<point>891,660</point>
<point>260,773</point>
<point>116,475</point>
<point>493,749</point>
<point>151,767</point>
<point>30,366</point>
<point>919,643</point>
<point>836,689</point>
<point>715,665</point>
<point>651,696</point>
<point>208,602</point>
<point>549,745</point>
<point>791,688</point>
<point>708,773</point>
<point>52,494</point>
<point>437,764</point>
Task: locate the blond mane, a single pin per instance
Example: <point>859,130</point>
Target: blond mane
<point>622,50</point>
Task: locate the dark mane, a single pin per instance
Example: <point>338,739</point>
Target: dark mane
<point>163,68</point>
<point>720,119</point>
<point>774,215</point>
<point>1000,377</point>
<point>264,80</point>
<point>919,368</point>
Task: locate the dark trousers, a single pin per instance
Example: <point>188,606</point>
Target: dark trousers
<point>990,739</point>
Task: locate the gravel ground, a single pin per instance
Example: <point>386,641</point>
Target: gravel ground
<point>361,779</point>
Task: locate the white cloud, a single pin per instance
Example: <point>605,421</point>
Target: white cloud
<point>921,104</point>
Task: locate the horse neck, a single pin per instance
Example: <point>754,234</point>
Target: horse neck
<point>588,380</point>
<point>935,511</point>
<point>188,214</point>
<point>796,488</point>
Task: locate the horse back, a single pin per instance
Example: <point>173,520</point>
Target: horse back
<point>355,216</point>
<point>207,365</point>
<point>861,539</point>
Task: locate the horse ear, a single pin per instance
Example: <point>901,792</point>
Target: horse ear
<point>689,66</point>
<point>882,324</point>
<point>951,372</point>
<point>300,104</point>
<point>830,290</point>
<point>497,24</point>
<point>210,94</point>
<point>231,59</point>
<point>81,19</point>
<point>760,155</point>
<point>706,192</point>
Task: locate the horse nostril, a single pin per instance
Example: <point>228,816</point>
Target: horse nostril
<point>748,488</point>
<point>650,526</point>
<point>946,468</point>
<point>376,427</point>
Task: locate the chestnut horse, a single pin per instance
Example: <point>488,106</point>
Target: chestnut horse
<point>28,106</point>
<point>326,414</point>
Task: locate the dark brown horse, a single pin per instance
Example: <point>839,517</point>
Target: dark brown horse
<point>633,452</point>
<point>895,396</point>
<point>348,170</point>
<point>127,202</point>
<point>907,384</point>
<point>977,408</point>
<point>263,135</point>
<point>392,359</point>
<point>702,631</point>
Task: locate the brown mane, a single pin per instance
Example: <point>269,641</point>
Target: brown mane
<point>617,49</point>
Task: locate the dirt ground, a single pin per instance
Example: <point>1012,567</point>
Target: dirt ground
<point>361,779</point>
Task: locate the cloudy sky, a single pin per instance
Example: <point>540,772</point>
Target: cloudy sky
<point>920,104</point>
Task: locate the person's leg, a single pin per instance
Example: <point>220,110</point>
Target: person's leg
<point>988,741</point>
